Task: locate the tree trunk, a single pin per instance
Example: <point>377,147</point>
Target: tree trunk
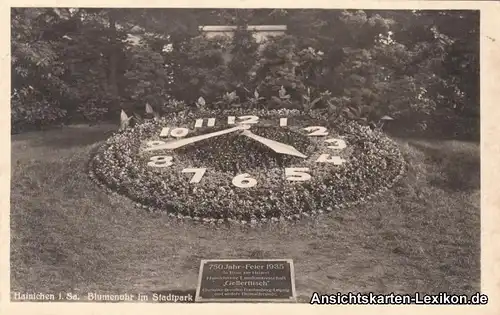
<point>113,58</point>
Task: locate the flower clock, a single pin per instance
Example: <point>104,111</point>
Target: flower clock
<point>247,166</point>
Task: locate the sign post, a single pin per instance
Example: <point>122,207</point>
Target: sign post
<point>246,280</point>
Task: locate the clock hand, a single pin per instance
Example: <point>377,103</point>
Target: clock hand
<point>274,145</point>
<point>182,142</point>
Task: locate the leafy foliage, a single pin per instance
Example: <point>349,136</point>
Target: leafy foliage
<point>148,79</point>
<point>207,69</point>
<point>420,67</point>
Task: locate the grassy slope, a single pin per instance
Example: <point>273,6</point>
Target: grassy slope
<point>69,235</point>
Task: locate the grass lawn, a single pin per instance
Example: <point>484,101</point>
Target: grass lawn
<point>68,235</point>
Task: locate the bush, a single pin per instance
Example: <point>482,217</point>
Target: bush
<point>204,69</point>
<point>149,78</point>
<point>30,111</point>
<point>284,63</point>
<point>416,66</point>
<point>372,164</point>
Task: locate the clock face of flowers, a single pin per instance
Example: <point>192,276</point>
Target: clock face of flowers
<point>247,166</point>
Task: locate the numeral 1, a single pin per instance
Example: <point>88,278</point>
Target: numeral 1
<point>198,174</point>
<point>326,158</point>
<point>283,122</point>
<point>176,132</point>
<point>199,122</point>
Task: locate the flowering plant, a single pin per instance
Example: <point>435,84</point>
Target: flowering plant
<point>373,164</point>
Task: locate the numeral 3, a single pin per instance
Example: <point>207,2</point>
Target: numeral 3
<point>337,144</point>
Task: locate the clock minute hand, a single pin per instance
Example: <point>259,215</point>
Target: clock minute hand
<point>182,142</point>
<point>274,145</point>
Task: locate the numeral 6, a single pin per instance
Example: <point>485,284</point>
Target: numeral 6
<point>244,181</point>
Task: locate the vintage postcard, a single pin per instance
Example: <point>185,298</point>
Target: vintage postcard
<point>223,157</point>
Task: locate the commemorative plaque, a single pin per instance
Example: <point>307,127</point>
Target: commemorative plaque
<point>246,280</point>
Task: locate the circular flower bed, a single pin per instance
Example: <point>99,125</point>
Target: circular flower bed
<point>371,164</point>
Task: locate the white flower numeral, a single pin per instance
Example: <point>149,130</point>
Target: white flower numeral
<point>198,173</point>
<point>199,122</point>
<point>325,158</point>
<point>231,120</point>
<point>244,181</point>
<point>160,161</point>
<point>176,132</point>
<point>283,122</point>
<point>154,143</point>
<point>337,144</point>
<point>316,131</point>
<point>297,174</point>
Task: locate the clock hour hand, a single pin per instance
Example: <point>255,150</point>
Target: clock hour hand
<point>276,146</point>
<point>182,142</point>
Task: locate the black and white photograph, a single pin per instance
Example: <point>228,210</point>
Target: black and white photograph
<point>250,155</point>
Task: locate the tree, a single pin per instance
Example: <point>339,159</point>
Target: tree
<point>421,67</point>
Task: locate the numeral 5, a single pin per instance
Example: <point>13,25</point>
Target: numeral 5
<point>297,174</point>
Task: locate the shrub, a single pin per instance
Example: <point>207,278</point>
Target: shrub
<point>149,78</point>
<point>205,69</point>
<point>30,110</point>
<point>284,63</point>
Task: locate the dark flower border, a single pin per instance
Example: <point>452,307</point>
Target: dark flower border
<point>377,165</point>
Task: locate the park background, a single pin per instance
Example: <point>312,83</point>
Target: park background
<point>85,65</point>
<point>81,67</point>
